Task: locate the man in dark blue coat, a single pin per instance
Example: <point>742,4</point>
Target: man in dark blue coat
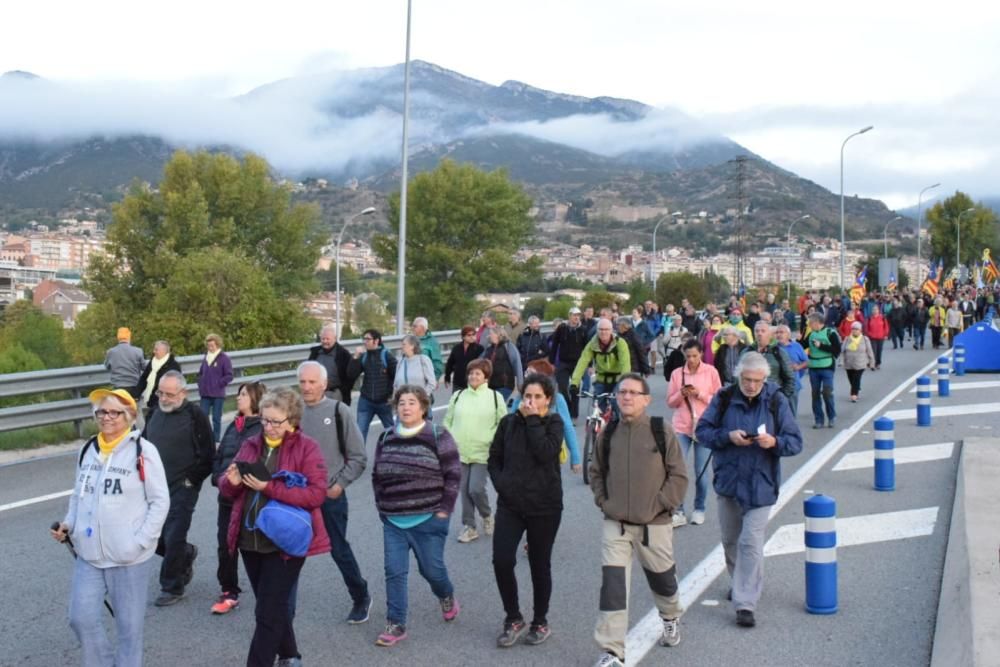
<point>748,426</point>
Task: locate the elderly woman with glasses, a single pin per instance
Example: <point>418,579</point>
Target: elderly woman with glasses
<point>115,515</point>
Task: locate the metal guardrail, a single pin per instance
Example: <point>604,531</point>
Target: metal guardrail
<point>80,380</point>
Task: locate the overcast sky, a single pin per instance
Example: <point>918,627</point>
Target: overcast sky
<point>787,79</point>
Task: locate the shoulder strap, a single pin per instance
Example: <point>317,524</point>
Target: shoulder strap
<point>83,452</point>
<point>660,435</point>
<point>725,397</point>
<point>340,429</point>
<point>609,430</point>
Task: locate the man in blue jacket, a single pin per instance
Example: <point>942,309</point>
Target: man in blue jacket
<point>748,426</point>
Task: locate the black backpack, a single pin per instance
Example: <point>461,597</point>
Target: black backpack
<point>139,461</point>
<point>726,397</point>
<point>656,425</point>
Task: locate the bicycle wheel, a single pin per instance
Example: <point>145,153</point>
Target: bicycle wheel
<point>588,452</point>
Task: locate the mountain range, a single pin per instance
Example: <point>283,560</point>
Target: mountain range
<point>621,162</point>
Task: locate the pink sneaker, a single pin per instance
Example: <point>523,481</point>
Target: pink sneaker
<point>392,635</point>
<point>450,608</point>
<point>227,602</point>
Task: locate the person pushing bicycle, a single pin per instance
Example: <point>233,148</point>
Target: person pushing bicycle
<point>611,359</point>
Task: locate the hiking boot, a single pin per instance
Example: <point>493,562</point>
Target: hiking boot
<point>697,517</point>
<point>189,572</point>
<point>392,635</point>
<point>488,525</point>
<point>166,599</point>
<point>468,534</point>
<point>745,619</point>
<point>359,611</point>
<point>609,660</point>
<point>512,631</point>
<point>537,634</point>
<point>227,602</point>
<point>679,519</point>
<point>450,608</point>
<point>671,632</point>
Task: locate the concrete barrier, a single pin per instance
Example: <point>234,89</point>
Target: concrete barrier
<point>968,618</point>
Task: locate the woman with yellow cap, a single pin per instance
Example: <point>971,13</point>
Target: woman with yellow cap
<point>115,515</point>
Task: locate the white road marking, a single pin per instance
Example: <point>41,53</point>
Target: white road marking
<point>947,410</point>
<point>645,634</point>
<point>32,501</point>
<point>855,530</point>
<point>915,454</point>
<point>959,386</point>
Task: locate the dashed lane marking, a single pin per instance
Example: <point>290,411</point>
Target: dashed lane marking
<point>915,454</point>
<point>855,530</point>
<point>946,411</point>
<point>32,501</point>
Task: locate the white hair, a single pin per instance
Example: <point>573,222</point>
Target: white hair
<point>312,364</point>
<point>421,321</point>
<point>753,361</point>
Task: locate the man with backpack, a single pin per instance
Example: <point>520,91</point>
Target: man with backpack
<point>379,368</point>
<point>638,478</point>
<point>329,422</point>
<point>822,344</point>
<point>748,427</point>
<point>610,357</point>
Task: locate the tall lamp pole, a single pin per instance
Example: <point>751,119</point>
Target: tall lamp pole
<point>885,235</point>
<point>788,250</point>
<point>652,259</point>
<point>401,259</point>
<point>920,262</point>
<point>340,238</point>
<point>842,238</point>
<point>958,240</point>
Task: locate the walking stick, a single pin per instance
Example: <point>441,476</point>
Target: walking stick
<point>69,545</point>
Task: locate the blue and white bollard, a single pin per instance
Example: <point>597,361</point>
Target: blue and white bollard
<point>923,401</point>
<point>959,360</point>
<point>885,455</point>
<point>821,555</point>
<point>944,386</point>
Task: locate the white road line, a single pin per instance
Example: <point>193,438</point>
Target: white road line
<point>645,634</point>
<point>947,410</point>
<point>959,386</point>
<point>915,454</point>
<point>855,530</point>
<point>32,501</point>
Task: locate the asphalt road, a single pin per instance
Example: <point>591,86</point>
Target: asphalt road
<point>888,589</point>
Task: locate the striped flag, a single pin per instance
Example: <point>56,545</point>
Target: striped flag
<point>990,271</point>
<point>858,290</point>
<point>930,286</point>
<point>892,282</point>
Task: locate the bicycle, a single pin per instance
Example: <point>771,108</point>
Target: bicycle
<point>593,426</point>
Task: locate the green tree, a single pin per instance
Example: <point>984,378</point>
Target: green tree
<point>370,313</point>
<point>676,285</point>
<point>464,227</point>
<point>717,286</point>
<point>639,292</point>
<point>204,202</point>
<point>15,359</point>
<point>979,229</point>
<point>597,299</point>
<point>350,280</point>
<point>38,334</point>
<point>558,307</point>
<point>534,306</point>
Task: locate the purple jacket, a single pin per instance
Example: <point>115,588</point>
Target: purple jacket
<point>417,474</point>
<point>298,453</point>
<point>213,379</point>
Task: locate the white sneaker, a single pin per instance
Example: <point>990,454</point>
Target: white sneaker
<point>679,519</point>
<point>697,518</point>
<point>488,525</point>
<point>609,660</point>
<point>468,534</point>
<point>671,632</point>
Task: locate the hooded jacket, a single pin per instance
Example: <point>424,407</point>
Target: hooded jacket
<point>472,419</point>
<point>524,463</point>
<point>114,517</point>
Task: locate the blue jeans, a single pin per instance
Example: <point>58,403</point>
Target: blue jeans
<point>821,380</point>
<point>919,333</point>
<point>367,411</point>
<point>127,588</point>
<point>427,542</point>
<point>212,406</point>
<point>701,454</point>
<point>505,392</point>
<point>335,520</point>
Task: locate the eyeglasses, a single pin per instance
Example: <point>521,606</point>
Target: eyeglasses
<point>630,393</point>
<point>273,422</point>
<point>367,338</point>
<point>108,414</point>
<point>168,395</point>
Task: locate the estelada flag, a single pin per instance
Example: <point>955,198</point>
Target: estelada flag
<point>858,290</point>
<point>930,286</point>
<point>990,271</point>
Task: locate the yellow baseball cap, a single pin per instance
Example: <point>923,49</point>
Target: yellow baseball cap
<point>120,394</point>
<point>124,333</point>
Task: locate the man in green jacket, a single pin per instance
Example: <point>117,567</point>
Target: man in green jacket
<point>822,344</point>
<point>611,359</point>
<point>429,346</point>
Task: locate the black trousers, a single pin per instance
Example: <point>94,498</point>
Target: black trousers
<point>178,555</point>
<point>563,374</point>
<point>854,377</point>
<point>228,570</point>
<point>541,533</point>
<point>936,336</point>
<point>877,349</point>
<point>272,579</point>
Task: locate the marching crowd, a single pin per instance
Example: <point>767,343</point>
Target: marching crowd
<point>283,465</point>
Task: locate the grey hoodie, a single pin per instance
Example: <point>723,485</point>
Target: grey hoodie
<point>114,518</point>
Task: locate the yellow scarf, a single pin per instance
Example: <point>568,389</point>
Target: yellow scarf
<point>273,443</point>
<point>854,342</point>
<point>108,447</point>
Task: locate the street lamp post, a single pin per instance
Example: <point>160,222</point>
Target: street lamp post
<point>401,254</point>
<point>340,238</point>
<point>652,259</point>
<point>920,197</point>
<point>885,235</point>
<point>788,251</point>
<point>958,240</point>
<point>842,238</point>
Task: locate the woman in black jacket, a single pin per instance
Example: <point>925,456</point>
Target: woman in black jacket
<point>524,468</point>
<point>157,366</point>
<point>728,355</point>
<point>455,374</point>
<point>245,426</point>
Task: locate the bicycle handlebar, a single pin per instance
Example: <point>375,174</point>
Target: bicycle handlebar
<point>589,394</point>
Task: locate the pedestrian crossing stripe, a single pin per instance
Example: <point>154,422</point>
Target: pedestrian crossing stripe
<point>914,454</point>
<point>947,411</point>
<point>959,386</point>
<point>858,530</point>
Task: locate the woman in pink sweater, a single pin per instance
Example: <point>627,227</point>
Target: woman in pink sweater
<point>691,388</point>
